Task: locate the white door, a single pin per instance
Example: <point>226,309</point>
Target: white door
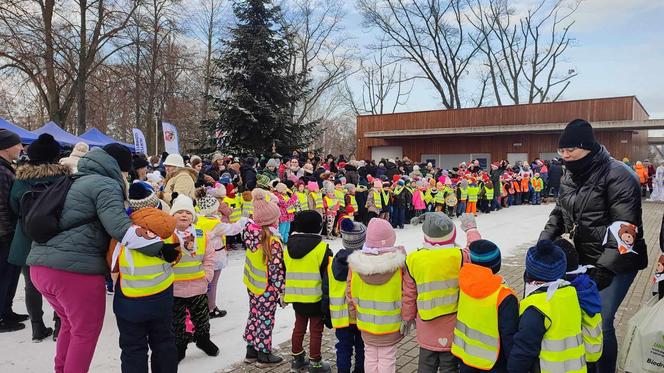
<point>387,152</point>
<point>449,161</point>
<point>513,158</point>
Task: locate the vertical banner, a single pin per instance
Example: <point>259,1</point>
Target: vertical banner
<point>171,141</point>
<point>139,141</point>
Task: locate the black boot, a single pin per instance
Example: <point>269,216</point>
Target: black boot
<point>12,316</point>
<point>40,331</point>
<point>56,327</point>
<point>299,362</point>
<point>182,350</point>
<point>251,356</point>
<point>10,326</point>
<point>205,344</point>
<point>268,359</point>
<point>319,366</point>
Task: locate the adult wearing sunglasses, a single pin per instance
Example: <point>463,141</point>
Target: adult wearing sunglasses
<point>595,191</point>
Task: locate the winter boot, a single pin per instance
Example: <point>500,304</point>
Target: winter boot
<point>12,316</point>
<point>265,360</point>
<point>299,362</point>
<point>205,344</point>
<point>40,331</point>
<point>319,366</point>
<point>251,356</point>
<point>216,313</point>
<point>182,350</point>
<point>56,327</point>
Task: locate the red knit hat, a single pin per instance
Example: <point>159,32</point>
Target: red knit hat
<point>396,178</point>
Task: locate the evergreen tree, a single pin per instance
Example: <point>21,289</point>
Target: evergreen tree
<point>256,91</point>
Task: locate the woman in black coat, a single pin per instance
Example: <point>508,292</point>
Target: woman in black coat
<point>595,191</point>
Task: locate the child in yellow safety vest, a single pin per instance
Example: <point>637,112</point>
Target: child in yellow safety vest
<point>538,185</point>
<point>247,204</point>
<point>377,200</point>
<point>335,305</point>
<point>549,338</point>
<point>431,291</point>
<point>193,272</point>
<point>332,206</point>
<point>306,258</point>
<point>374,295</point>
<point>286,202</point>
<point>302,198</point>
<point>315,198</point>
<point>488,314</point>
<point>473,195</point>
<point>350,200</point>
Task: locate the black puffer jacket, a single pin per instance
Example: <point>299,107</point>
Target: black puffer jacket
<point>616,196</point>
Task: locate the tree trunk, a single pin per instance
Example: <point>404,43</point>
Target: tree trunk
<point>53,104</point>
<point>81,104</point>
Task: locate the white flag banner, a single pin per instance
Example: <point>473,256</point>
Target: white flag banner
<point>171,140</point>
<point>139,141</point>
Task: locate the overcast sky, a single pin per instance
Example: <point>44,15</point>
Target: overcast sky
<point>619,51</point>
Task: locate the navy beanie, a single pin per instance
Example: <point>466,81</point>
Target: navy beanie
<point>545,262</point>
<point>486,254</point>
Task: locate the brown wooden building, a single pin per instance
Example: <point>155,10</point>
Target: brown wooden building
<point>515,132</point>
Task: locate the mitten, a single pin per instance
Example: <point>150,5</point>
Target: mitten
<point>468,222</point>
<point>170,252</point>
<point>602,277</point>
<point>405,327</point>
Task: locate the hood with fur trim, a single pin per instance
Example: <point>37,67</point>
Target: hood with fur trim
<point>30,171</point>
<point>377,269</point>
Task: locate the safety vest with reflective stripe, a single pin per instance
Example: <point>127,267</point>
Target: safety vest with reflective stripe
<point>338,306</point>
<point>235,205</point>
<point>476,336</point>
<point>151,274</point>
<point>340,196</point>
<point>302,199</point>
<point>353,202</point>
<point>464,194</point>
<point>247,208</point>
<point>378,306</point>
<point>190,266</point>
<point>398,190</point>
<point>303,279</point>
<point>472,193</point>
<point>537,184</point>
<point>378,201</point>
<point>436,274</point>
<point>488,193</point>
<point>331,202</point>
<point>591,327</point>
<point>207,225</point>
<point>440,197</point>
<point>318,200</point>
<point>290,209</point>
<point>562,347</point>
<point>255,270</point>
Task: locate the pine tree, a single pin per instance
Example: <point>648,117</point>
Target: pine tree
<point>256,90</point>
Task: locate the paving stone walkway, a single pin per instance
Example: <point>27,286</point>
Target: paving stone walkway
<point>512,271</point>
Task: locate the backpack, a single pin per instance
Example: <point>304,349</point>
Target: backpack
<point>41,208</point>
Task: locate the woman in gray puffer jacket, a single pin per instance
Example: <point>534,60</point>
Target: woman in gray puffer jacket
<point>69,269</point>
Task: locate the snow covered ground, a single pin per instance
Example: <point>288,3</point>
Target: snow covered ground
<point>509,229</point>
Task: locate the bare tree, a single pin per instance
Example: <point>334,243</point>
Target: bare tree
<point>522,53</point>
<point>429,34</point>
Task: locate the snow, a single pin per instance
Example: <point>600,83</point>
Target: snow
<point>509,229</point>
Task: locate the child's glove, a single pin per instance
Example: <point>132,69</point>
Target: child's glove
<point>405,327</point>
<point>468,222</point>
<point>170,252</point>
<point>602,277</point>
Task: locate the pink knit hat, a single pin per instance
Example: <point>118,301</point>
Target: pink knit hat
<point>378,184</point>
<point>312,186</point>
<point>265,212</point>
<point>380,234</point>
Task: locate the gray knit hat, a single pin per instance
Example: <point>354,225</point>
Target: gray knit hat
<point>437,227</point>
<point>353,234</point>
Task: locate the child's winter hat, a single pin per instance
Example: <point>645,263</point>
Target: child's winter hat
<point>312,186</point>
<point>263,181</point>
<point>266,212</point>
<point>377,184</point>
<point>353,235</point>
<point>183,203</point>
<point>281,188</point>
<point>207,204</point>
<point>219,191</point>
<point>486,254</point>
<point>225,178</point>
<point>246,195</point>
<point>380,234</point>
<point>349,187</point>
<point>545,262</point>
<point>141,195</point>
<point>571,256</point>
<point>401,182</point>
<point>308,221</point>
<point>437,227</point>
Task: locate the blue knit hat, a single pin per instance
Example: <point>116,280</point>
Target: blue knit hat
<point>545,262</point>
<point>486,254</point>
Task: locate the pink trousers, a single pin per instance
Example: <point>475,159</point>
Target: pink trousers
<point>380,359</point>
<point>80,301</point>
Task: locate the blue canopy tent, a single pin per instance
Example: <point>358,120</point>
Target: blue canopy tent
<point>96,135</point>
<point>62,136</point>
<point>27,137</point>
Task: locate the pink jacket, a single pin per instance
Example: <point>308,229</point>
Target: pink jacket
<point>284,203</point>
<point>192,288</point>
<point>436,334</point>
<point>418,200</point>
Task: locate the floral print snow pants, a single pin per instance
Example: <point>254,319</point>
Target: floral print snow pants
<point>258,332</point>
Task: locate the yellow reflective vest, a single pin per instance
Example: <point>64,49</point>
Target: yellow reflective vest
<point>463,193</point>
<point>591,328</point>
<point>377,198</point>
<point>378,306</point>
<point>353,202</point>
<point>190,266</point>
<point>207,225</point>
<point>339,194</point>
<point>255,270</point>
<point>488,193</point>
<point>247,208</point>
<point>318,200</point>
<point>302,200</point>
<point>290,209</point>
<point>436,274</point>
<point>150,275</point>
<point>236,206</point>
<point>562,348</point>
<point>304,283</point>
<point>338,307</point>
<point>473,192</point>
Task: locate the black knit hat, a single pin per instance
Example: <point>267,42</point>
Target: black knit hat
<point>44,150</point>
<point>8,139</point>
<point>570,253</point>
<point>308,221</point>
<point>140,162</point>
<point>121,155</point>
<point>486,254</point>
<point>577,134</point>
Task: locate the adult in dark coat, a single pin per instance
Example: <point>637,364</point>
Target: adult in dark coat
<point>596,191</point>
<point>248,174</point>
<point>555,174</point>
